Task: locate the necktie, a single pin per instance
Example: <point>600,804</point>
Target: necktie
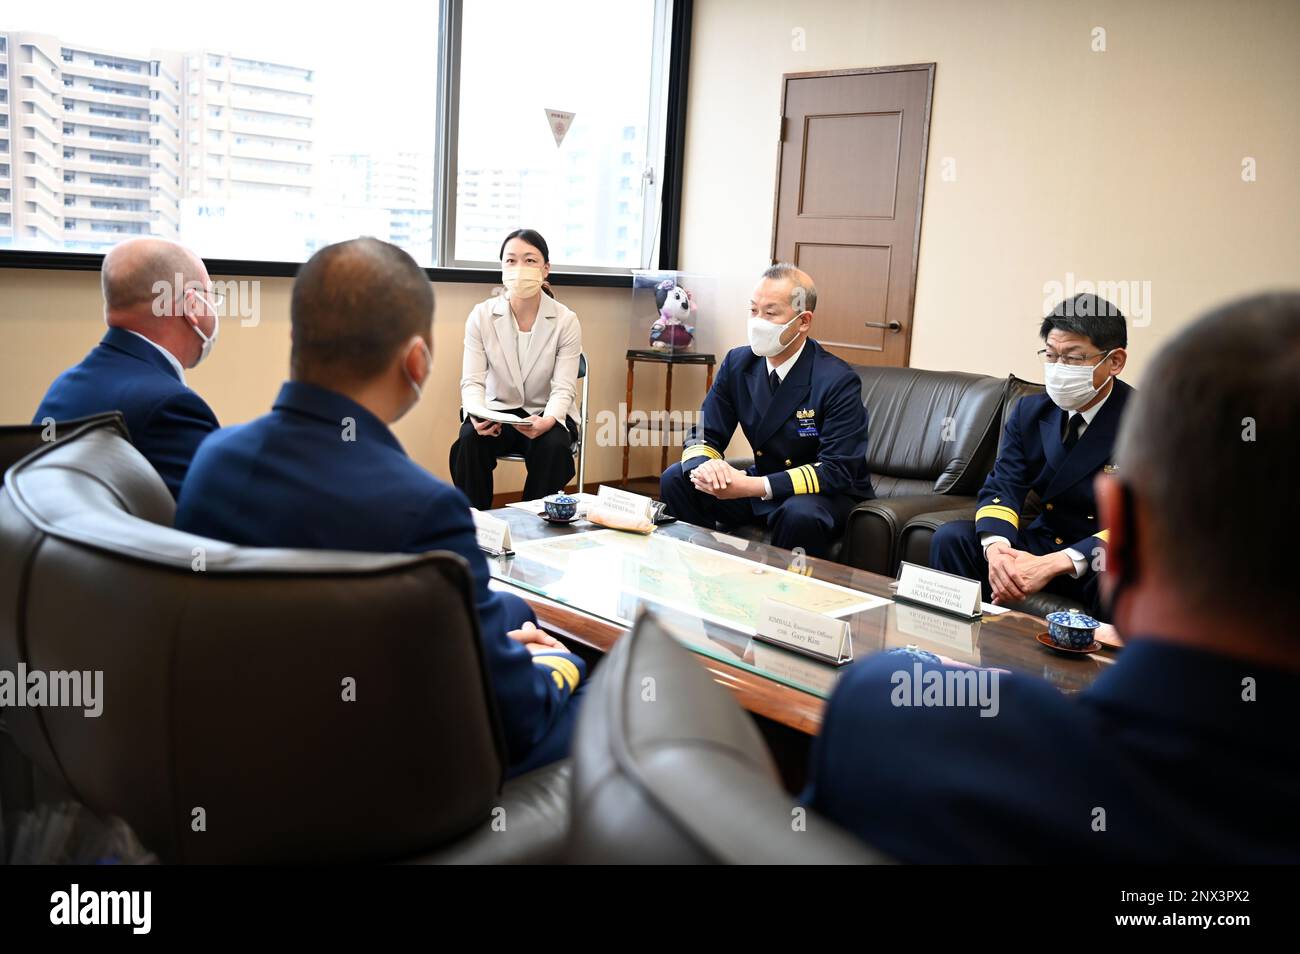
<point>1072,431</point>
<point>774,381</point>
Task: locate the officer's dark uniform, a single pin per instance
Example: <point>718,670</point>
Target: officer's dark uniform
<point>1034,457</point>
<point>809,436</point>
<point>167,421</point>
<point>1160,761</point>
<point>291,479</point>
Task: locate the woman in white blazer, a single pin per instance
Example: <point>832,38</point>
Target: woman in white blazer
<point>521,358</point>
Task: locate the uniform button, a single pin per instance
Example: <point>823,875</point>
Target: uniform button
<point>1049,506</point>
<point>787,462</point>
<point>1059,541</point>
<point>759,453</point>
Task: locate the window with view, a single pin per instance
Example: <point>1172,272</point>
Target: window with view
<point>590,193</point>
<point>264,143</point>
<point>260,134</point>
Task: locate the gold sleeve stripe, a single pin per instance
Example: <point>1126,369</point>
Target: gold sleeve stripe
<point>1103,536</point>
<point>700,450</point>
<point>814,479</point>
<point>999,513</point>
<point>562,666</point>
<point>800,485</point>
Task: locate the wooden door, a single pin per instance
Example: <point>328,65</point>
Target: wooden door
<point>850,178</point>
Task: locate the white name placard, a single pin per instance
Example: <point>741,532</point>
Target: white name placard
<point>493,533</point>
<point>804,631</point>
<point>939,590</point>
<point>611,500</point>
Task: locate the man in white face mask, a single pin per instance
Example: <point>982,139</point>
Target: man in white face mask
<point>1054,444</point>
<point>800,408</point>
<point>161,313</point>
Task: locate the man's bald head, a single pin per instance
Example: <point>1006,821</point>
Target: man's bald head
<point>354,305</point>
<point>802,294</point>
<point>132,269</point>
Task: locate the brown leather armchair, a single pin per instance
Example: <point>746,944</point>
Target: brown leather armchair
<point>226,673</point>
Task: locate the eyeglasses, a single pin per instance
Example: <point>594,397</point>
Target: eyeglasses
<point>1070,360</point>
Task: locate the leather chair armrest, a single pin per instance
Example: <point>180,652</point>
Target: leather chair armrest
<point>535,812</point>
<point>872,532</point>
<point>914,539</point>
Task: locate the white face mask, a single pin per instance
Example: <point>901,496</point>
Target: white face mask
<point>206,348</point>
<point>765,337</point>
<point>1070,387</point>
<point>522,281</point>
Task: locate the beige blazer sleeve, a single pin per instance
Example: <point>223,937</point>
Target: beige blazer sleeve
<point>564,373</point>
<point>474,364</point>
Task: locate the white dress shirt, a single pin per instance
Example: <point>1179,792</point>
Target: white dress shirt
<point>171,358</point>
<point>1079,560</point>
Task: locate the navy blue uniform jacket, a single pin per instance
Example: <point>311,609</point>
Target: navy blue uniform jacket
<point>125,373</point>
<point>290,479</point>
<point>808,438</point>
<point>1170,756</point>
<point>1034,458</point>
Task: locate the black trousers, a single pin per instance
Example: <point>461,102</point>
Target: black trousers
<point>549,459</point>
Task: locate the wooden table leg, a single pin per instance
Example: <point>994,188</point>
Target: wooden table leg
<point>627,419</point>
<point>663,423</point>
<point>708,380</point>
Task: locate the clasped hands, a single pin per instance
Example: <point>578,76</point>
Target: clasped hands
<point>1014,574</point>
<point>719,479</point>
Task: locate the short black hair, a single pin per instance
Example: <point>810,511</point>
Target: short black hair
<point>353,305</point>
<point>1091,316</point>
<point>1209,444</point>
<point>532,237</point>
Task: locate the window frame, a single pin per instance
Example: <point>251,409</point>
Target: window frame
<point>669,85</point>
<point>446,160</point>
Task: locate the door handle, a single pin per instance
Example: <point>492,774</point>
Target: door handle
<point>893,326</point>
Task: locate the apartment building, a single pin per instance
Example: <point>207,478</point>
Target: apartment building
<point>91,147</point>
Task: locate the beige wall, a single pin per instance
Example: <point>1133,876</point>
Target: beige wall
<point>49,320</point>
<point>1115,166</point>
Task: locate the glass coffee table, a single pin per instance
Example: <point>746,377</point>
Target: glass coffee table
<point>589,584</point>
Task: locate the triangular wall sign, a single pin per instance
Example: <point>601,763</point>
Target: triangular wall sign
<point>560,122</point>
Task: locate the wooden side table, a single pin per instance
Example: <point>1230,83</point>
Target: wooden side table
<point>660,357</point>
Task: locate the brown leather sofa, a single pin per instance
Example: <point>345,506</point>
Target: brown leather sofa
<point>224,674</point>
<point>683,777</point>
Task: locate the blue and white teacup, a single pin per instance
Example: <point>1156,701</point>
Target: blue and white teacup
<point>560,507</point>
<point>1071,629</point>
